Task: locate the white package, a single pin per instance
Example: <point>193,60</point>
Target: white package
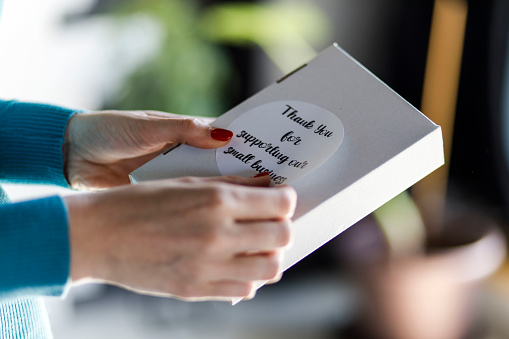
<point>355,144</point>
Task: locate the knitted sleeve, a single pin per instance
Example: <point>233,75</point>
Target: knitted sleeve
<point>34,240</point>
<point>31,139</point>
<point>34,248</point>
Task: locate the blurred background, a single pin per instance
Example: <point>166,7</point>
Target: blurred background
<point>429,264</point>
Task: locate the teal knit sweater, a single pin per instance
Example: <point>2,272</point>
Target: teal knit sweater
<point>34,240</point>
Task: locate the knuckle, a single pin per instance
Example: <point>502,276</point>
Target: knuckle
<point>188,124</point>
<point>245,289</point>
<point>188,180</point>
<point>287,201</point>
<point>210,240</point>
<point>187,127</point>
<point>218,196</point>
<point>285,234</point>
<point>271,268</point>
<point>215,231</point>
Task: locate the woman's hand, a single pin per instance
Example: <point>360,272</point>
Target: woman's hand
<point>189,238</point>
<point>102,148</point>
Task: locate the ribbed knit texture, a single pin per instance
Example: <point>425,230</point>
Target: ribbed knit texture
<point>34,241</point>
<point>24,318</point>
<point>31,139</point>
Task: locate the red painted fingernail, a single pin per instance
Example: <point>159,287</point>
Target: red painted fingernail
<point>259,175</point>
<point>221,134</point>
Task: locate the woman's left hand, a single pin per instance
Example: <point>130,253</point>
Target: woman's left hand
<point>102,148</point>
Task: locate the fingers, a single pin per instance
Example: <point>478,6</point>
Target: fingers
<point>222,290</point>
<point>160,114</point>
<point>194,237</point>
<point>240,277</point>
<point>262,236</point>
<point>261,203</point>
<point>189,131</point>
<point>276,279</point>
<point>259,267</point>
<point>250,203</point>
<point>226,289</point>
<point>231,179</point>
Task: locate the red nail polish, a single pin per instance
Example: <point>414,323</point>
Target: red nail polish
<point>221,134</point>
<point>259,175</point>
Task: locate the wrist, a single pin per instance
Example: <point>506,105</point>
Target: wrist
<point>66,146</point>
<point>81,237</point>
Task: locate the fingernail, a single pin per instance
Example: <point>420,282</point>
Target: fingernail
<point>221,134</point>
<point>259,175</point>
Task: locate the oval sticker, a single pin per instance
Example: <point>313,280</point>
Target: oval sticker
<point>288,139</point>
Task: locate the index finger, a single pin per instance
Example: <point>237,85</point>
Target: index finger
<point>262,203</point>
<point>229,179</point>
<point>250,198</point>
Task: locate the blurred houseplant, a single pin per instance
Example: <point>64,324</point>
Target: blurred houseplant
<point>287,33</point>
<point>186,75</point>
<point>190,73</point>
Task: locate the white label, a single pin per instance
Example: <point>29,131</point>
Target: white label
<point>288,139</point>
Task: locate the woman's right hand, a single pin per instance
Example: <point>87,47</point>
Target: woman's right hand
<point>188,238</point>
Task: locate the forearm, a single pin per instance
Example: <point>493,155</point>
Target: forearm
<point>31,139</point>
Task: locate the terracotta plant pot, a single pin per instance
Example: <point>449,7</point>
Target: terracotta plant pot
<point>433,295</point>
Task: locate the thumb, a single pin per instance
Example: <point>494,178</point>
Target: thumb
<point>193,132</point>
<point>261,181</point>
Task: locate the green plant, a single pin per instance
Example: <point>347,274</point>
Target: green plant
<point>188,75</point>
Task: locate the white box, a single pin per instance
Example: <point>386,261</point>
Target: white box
<point>387,146</point>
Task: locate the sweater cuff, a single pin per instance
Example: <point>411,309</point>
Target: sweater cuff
<point>34,247</point>
<point>32,136</point>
